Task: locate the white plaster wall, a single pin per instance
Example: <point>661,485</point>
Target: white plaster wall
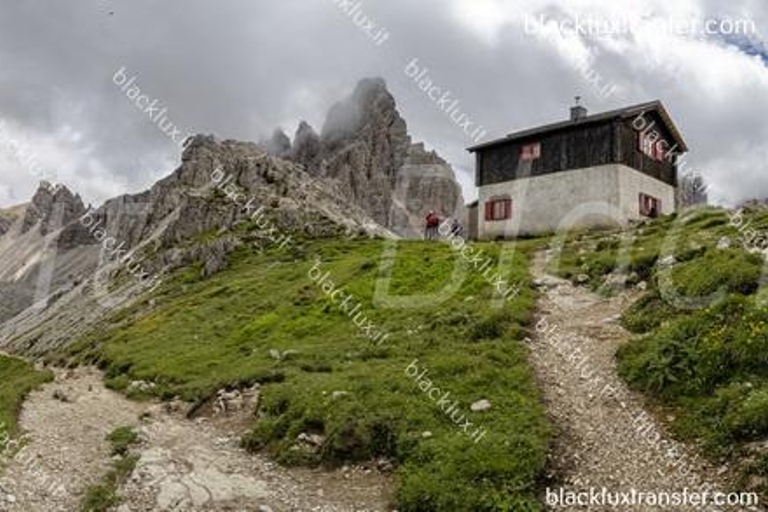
<point>632,183</point>
<point>588,197</point>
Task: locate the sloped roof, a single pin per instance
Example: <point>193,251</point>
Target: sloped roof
<point>623,113</point>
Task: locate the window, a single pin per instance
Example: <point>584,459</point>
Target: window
<point>530,152</point>
<point>650,206</point>
<point>647,145</point>
<point>498,208</point>
<point>651,146</point>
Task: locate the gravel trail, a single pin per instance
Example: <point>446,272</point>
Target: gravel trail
<point>184,465</point>
<point>605,436</point>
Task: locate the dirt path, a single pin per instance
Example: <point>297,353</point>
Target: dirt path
<point>64,447</point>
<point>185,465</point>
<point>604,438</point>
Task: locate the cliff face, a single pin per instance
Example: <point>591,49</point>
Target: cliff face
<point>361,176</point>
<point>365,150</point>
<point>51,208</point>
<point>9,216</point>
<point>197,215</point>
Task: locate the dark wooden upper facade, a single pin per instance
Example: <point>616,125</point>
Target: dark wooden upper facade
<point>607,138</point>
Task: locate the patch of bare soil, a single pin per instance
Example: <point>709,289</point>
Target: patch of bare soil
<point>64,443</point>
<point>184,465</point>
<point>605,437</point>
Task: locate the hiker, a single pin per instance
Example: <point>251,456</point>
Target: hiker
<point>432,222</point>
<point>457,230</point>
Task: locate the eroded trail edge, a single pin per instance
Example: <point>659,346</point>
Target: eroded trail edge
<point>184,465</point>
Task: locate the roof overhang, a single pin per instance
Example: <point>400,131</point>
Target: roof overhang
<point>624,113</point>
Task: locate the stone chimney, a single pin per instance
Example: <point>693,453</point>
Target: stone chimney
<point>578,112</point>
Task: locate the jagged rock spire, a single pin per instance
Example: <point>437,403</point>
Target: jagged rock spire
<point>52,207</point>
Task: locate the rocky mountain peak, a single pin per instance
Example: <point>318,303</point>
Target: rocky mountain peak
<point>370,108</point>
<point>366,151</point>
<point>279,145</point>
<point>52,207</point>
<point>306,145</point>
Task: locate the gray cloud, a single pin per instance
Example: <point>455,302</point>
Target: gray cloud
<point>239,69</point>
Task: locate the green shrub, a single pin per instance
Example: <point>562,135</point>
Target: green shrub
<point>122,439</point>
<point>647,313</point>
<point>733,271</point>
<point>103,496</point>
<point>697,352</point>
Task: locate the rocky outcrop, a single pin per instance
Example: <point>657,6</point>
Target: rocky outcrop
<point>52,208</point>
<point>361,176</point>
<point>5,224</point>
<point>426,182</point>
<point>307,147</point>
<point>279,145</point>
<point>224,194</point>
<point>9,216</point>
<point>365,151</point>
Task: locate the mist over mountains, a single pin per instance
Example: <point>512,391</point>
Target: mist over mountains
<point>362,175</point>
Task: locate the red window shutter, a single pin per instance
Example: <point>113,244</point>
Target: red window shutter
<point>530,152</point>
<point>489,210</point>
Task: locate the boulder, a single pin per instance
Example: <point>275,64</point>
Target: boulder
<point>667,261</point>
<point>724,244</point>
<point>481,406</point>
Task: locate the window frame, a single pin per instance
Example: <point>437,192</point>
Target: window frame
<point>492,204</point>
<point>530,152</point>
<point>647,205</point>
<point>653,149</point>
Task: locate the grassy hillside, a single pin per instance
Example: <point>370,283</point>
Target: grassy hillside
<point>701,349</point>
<point>263,319</point>
<point>18,379</point>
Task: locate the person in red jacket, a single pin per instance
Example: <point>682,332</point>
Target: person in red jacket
<point>432,223</point>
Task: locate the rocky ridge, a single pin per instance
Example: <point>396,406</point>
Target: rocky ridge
<point>361,176</point>
<point>52,207</point>
<point>365,151</point>
<point>215,190</point>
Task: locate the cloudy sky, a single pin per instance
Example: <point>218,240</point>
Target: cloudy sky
<point>239,68</point>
